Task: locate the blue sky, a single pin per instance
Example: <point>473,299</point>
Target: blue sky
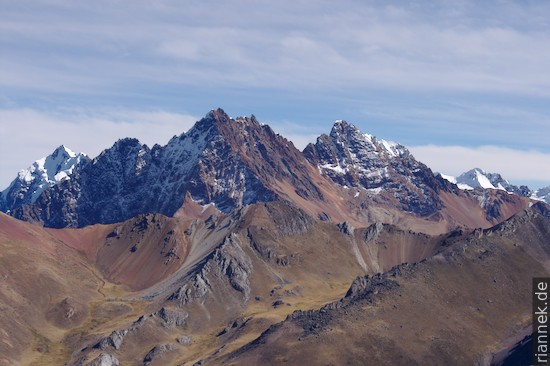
<point>463,84</point>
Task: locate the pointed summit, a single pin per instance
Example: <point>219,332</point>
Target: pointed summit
<point>354,159</point>
<point>475,178</point>
<point>60,165</point>
<point>223,123</point>
<point>210,122</point>
<point>479,178</point>
<point>217,113</point>
<point>344,126</point>
<point>344,131</point>
<point>64,152</point>
<point>221,160</point>
<point>216,116</point>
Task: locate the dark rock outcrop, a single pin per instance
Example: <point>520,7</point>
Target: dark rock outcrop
<point>114,340</point>
<point>104,360</point>
<point>353,159</point>
<point>157,352</point>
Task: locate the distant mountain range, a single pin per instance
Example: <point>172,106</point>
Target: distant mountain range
<point>235,162</point>
<point>478,178</point>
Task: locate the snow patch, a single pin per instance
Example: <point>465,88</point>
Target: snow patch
<point>483,180</point>
<point>336,168</point>
<point>369,137</point>
<point>389,146</point>
<point>205,207</point>
<point>449,178</point>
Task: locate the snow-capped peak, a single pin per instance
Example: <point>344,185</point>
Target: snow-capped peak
<point>392,148</point>
<point>479,178</point>
<point>482,180</point>
<point>450,178</point>
<point>64,151</point>
<point>43,173</point>
<point>53,168</point>
<point>542,194</point>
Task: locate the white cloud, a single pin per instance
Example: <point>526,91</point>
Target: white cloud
<point>28,134</point>
<point>286,44</point>
<point>514,165</point>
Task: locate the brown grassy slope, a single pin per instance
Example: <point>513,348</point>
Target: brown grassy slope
<point>60,285</point>
<point>294,262</point>
<point>46,289</point>
<point>61,293</point>
<point>454,309</point>
<point>142,251</point>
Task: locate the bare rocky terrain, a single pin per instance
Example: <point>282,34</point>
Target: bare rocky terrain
<point>455,308</point>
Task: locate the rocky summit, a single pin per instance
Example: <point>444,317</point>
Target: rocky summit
<point>224,161</point>
<point>353,159</point>
<point>478,178</point>
<point>229,246</point>
<point>41,175</point>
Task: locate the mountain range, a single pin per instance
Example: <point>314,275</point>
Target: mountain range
<point>235,162</point>
<point>230,246</point>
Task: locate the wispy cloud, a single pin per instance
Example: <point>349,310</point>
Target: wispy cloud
<point>300,135</point>
<point>285,44</point>
<point>463,120</point>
